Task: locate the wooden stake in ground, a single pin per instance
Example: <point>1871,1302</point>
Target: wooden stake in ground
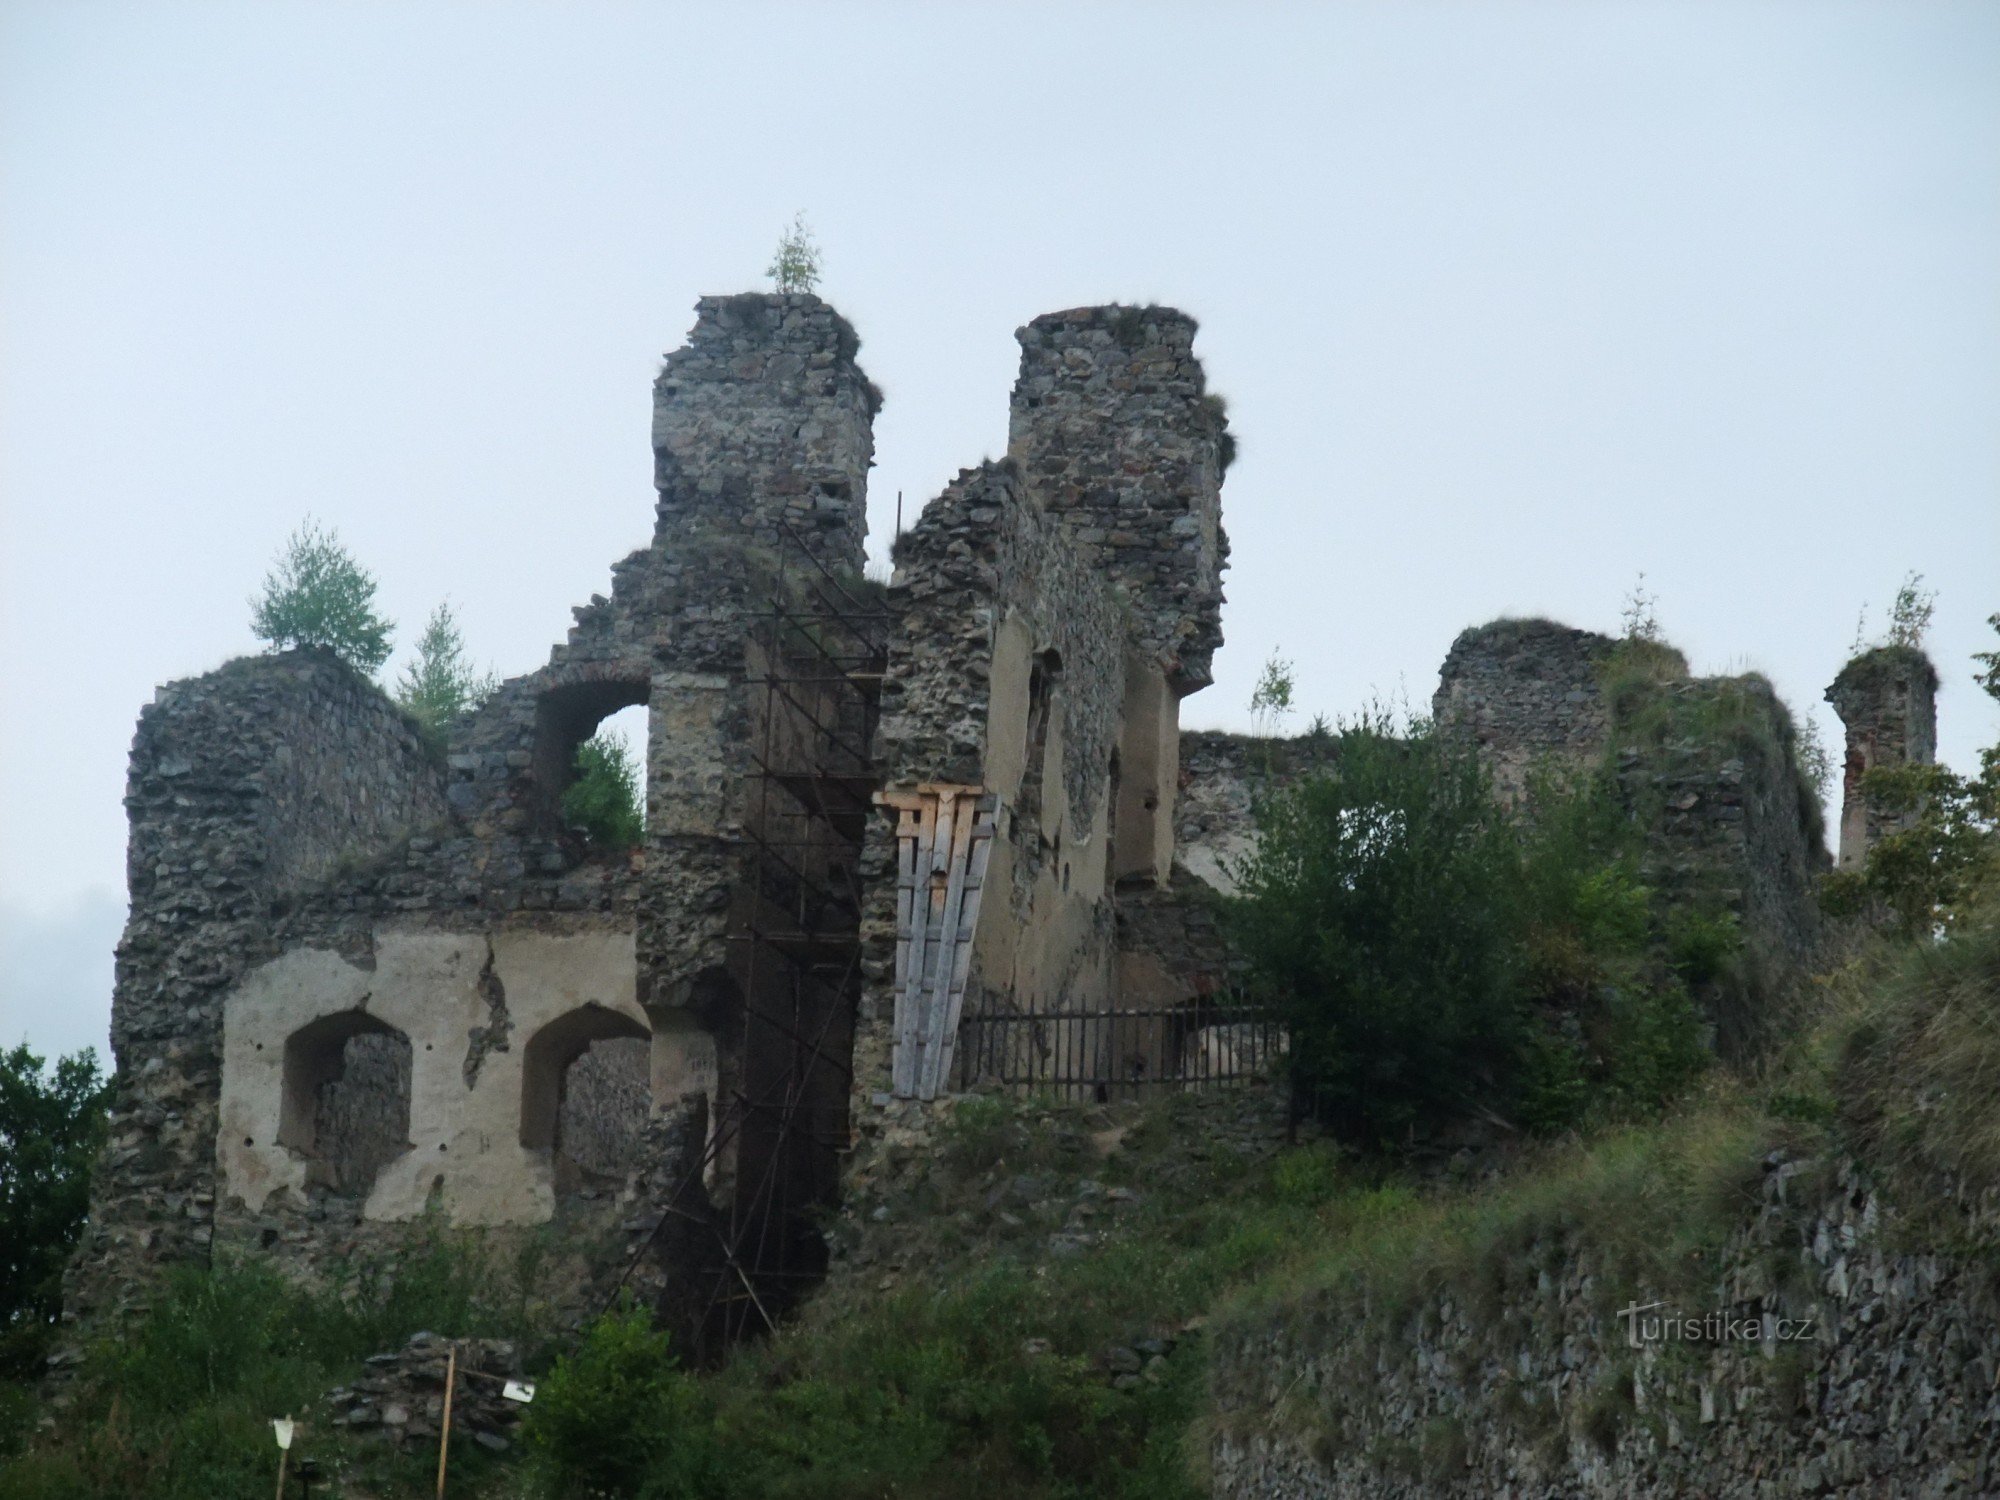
<point>444,1438</point>
<point>281,1428</point>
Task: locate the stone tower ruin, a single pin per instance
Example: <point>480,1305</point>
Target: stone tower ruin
<point>365,986</point>
<point>1887,699</point>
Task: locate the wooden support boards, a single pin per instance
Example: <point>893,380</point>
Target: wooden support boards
<point>944,835</point>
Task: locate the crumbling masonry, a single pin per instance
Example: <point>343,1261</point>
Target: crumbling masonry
<point>364,986</point>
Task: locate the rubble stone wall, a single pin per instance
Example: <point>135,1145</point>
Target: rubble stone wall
<point>762,421</point>
<point>1537,1390</point>
<point>1115,433</point>
<point>246,786</point>
<point>1222,777</point>
<point>1525,692</point>
<point>990,589</point>
<point>1887,699</point>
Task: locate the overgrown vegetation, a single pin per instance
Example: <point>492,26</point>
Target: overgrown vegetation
<point>605,802</point>
<point>1941,848</point>
<point>51,1127</point>
<point>795,265</point>
<point>179,1406</point>
<point>1436,958</point>
<point>316,594</point>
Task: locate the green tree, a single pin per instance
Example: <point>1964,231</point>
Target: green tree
<point>441,683</point>
<point>316,594</point>
<point>1375,911</point>
<point>51,1126</point>
<point>618,1417</point>
<point>795,266</point>
<point>604,801</point>
<point>1271,700</point>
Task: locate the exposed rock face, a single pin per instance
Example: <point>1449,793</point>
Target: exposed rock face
<point>1888,1391</point>
<point>1887,698</point>
<point>1115,433</point>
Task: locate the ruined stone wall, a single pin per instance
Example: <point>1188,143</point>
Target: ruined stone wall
<point>1533,1389</point>
<point>1732,825</point>
<point>284,814</point>
<point>762,421</point>
<point>245,785</point>
<point>987,586</point>
<point>1887,699</point>
<point>1115,433</point>
<point>1222,778</point>
<point>1526,692</point>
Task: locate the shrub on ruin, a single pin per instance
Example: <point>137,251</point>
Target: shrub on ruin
<point>52,1123</point>
<point>618,1416</point>
<point>1376,913</point>
<point>441,684</point>
<point>604,803</point>
<point>316,594</point>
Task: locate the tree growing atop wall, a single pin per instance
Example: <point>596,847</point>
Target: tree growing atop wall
<point>441,683</point>
<point>1910,613</point>
<point>604,802</point>
<point>51,1125</point>
<point>1271,700</point>
<point>795,267</point>
<point>316,594</point>
<point>1641,615</point>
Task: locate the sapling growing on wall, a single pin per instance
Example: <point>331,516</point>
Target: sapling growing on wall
<point>1271,702</point>
<point>795,266</point>
<point>1910,614</point>
<point>441,683</point>
<point>316,594</point>
<point>1641,617</point>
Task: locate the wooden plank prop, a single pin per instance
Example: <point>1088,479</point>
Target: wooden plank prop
<point>944,835</point>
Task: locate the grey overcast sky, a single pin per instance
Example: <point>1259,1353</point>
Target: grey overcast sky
<point>1511,302</point>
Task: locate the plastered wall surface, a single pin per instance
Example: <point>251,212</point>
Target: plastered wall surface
<point>465,1121</point>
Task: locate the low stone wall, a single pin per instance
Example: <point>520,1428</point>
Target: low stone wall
<point>1890,1390</point>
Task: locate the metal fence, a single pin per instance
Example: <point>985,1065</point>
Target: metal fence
<point>1112,1054</point>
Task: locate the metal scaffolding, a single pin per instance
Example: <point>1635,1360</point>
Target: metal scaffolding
<point>815,662</point>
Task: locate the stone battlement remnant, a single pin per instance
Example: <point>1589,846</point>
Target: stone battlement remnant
<point>1887,698</point>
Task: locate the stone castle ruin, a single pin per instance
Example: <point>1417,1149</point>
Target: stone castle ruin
<point>899,842</point>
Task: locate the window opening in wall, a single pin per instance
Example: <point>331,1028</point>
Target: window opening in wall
<point>1043,676</point>
<point>590,759</point>
<point>346,1100</point>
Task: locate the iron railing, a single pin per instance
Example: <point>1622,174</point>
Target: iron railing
<point>1100,1054</point>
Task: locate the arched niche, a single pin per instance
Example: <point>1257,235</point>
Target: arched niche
<point>615,1071</point>
<point>345,1099</point>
